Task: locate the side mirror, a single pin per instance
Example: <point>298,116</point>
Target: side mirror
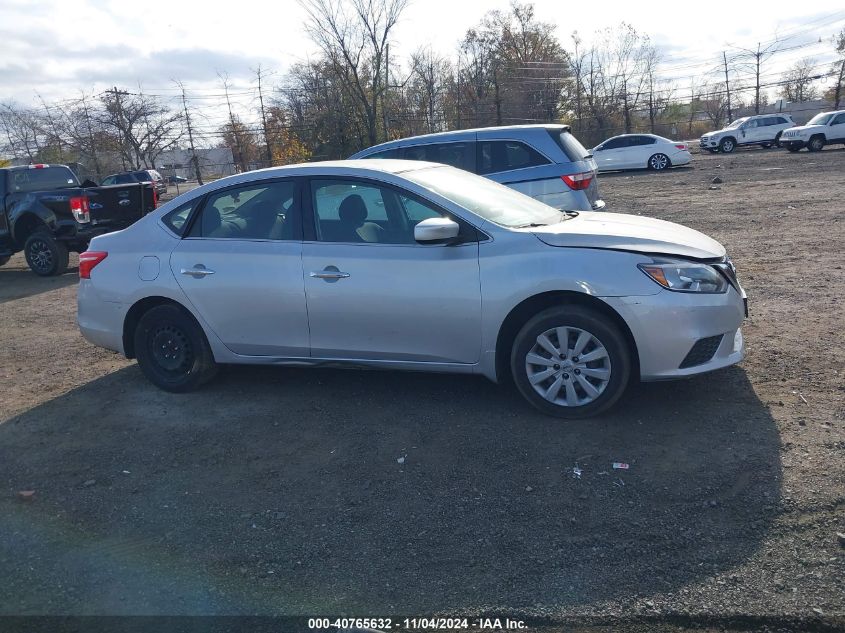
<point>436,230</point>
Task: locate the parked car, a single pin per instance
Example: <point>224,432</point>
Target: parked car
<point>173,180</point>
<point>141,175</point>
<point>417,266</point>
<point>640,151</point>
<point>545,162</point>
<point>764,130</point>
<point>826,128</point>
<point>46,213</point>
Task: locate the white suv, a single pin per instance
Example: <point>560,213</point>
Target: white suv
<point>826,128</point>
<point>761,129</point>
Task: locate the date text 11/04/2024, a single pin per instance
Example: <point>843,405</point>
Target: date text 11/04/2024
<point>419,624</point>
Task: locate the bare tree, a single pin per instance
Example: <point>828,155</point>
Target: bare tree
<point>798,82</point>
<point>754,59</point>
<point>354,36</point>
<point>428,86</point>
<point>838,69</point>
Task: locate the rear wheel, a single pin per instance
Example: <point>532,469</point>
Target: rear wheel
<point>727,145</point>
<point>659,162</point>
<point>4,260</point>
<point>816,144</point>
<point>45,255</point>
<point>571,362</point>
<point>172,350</point>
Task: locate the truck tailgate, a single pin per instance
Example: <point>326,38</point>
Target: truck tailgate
<point>118,206</point>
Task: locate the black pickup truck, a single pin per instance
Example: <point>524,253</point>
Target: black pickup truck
<point>46,213</point>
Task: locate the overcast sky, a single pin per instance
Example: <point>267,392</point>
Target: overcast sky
<point>59,47</point>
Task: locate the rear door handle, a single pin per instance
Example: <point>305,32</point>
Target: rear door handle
<point>197,272</point>
<point>329,273</point>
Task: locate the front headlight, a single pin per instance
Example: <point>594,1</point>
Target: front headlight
<point>682,276</point>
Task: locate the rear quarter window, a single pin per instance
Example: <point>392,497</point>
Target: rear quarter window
<point>570,145</point>
<point>177,219</point>
<point>497,156</point>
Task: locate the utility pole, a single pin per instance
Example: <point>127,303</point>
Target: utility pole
<point>87,114</point>
<point>120,127</point>
<point>235,132</point>
<point>727,87</point>
<point>191,135</point>
<point>264,120</point>
<point>760,55</point>
<point>384,90</point>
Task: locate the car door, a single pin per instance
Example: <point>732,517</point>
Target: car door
<point>240,266</point>
<point>373,292</point>
<point>837,129</point>
<point>637,153</point>
<point>611,153</point>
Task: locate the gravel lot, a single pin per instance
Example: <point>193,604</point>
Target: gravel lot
<point>278,491</point>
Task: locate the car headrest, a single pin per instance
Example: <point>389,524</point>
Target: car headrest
<point>211,220</point>
<point>353,210</point>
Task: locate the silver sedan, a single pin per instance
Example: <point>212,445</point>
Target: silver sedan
<point>417,266</point>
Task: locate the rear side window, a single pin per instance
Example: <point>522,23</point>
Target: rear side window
<point>570,145</point>
<point>41,179</point>
<point>496,156</point>
<point>642,140</point>
<point>459,154</point>
<point>258,211</point>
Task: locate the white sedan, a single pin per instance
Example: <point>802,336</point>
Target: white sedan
<point>640,151</point>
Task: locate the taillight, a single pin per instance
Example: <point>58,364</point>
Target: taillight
<point>681,146</point>
<point>578,182</point>
<point>88,260</point>
<point>80,209</point>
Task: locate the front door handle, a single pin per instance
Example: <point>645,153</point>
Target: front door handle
<point>197,272</point>
<point>329,273</point>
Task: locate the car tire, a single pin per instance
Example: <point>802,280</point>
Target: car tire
<point>45,255</point>
<point>172,350</point>
<point>588,387</point>
<point>659,162</point>
<point>777,139</point>
<point>4,260</point>
<point>815,144</point>
<point>727,145</point>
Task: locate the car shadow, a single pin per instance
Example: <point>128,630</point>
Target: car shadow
<point>283,491</point>
<point>18,282</point>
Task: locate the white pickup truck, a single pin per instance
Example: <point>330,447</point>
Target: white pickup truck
<point>760,129</point>
<point>826,128</point>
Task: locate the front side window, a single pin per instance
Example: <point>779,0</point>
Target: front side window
<point>496,156</point>
<point>839,120</point>
<point>353,211</point>
<point>258,211</point>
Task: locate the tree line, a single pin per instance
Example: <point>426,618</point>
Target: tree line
<point>509,68</point>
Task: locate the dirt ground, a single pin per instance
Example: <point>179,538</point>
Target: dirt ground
<point>278,491</point>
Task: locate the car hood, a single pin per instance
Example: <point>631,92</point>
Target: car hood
<point>618,231</point>
<point>803,128</point>
<point>717,132</point>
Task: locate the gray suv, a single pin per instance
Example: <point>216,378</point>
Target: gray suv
<point>545,162</point>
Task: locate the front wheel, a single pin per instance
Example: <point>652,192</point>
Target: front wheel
<point>45,255</point>
<point>727,145</point>
<point>571,362</point>
<point>816,144</point>
<point>172,350</point>
<point>658,162</point>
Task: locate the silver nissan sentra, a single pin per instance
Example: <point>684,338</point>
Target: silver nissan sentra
<point>396,264</point>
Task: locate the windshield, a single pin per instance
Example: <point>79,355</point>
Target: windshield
<point>820,119</point>
<point>487,199</point>
<point>737,123</point>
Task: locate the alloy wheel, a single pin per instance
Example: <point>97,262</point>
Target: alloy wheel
<point>659,162</point>
<point>40,255</point>
<point>568,366</point>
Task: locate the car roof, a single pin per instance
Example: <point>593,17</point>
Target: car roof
<point>468,133</point>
